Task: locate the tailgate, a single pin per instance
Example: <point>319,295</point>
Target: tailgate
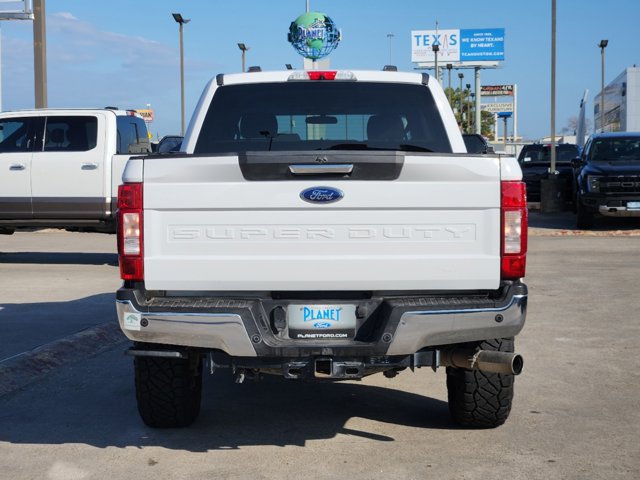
<point>435,227</point>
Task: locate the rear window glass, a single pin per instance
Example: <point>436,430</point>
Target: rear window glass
<point>341,115</point>
<point>542,153</point>
<point>133,136</point>
<point>474,144</point>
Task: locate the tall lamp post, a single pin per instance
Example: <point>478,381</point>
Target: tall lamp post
<point>550,193</point>
<point>40,53</point>
<point>436,48</point>
<point>390,37</point>
<point>471,97</point>
<point>244,49</point>
<point>449,67</point>
<point>603,44</point>
<point>461,105</point>
<point>468,108</point>
<point>178,18</point>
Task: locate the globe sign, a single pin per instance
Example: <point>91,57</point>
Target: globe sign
<point>313,35</point>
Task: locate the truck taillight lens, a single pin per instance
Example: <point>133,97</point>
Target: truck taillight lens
<point>322,75</point>
<point>130,246</point>
<point>514,223</point>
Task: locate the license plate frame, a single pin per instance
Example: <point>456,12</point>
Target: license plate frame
<point>331,321</point>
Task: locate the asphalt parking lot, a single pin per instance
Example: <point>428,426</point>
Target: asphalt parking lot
<point>71,411</point>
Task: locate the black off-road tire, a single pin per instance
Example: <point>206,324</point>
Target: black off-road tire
<point>479,399</point>
<point>168,390</point>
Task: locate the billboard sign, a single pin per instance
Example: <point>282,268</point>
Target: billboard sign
<point>502,107</point>
<point>423,41</point>
<point>146,114</point>
<point>496,90</point>
<point>16,10</point>
<point>458,46</point>
<point>482,45</point>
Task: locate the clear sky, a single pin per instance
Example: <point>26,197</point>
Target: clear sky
<point>126,52</point>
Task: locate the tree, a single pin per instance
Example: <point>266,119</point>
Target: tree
<point>464,111</point>
<point>572,126</point>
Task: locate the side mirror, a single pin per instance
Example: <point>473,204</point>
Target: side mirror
<point>576,162</point>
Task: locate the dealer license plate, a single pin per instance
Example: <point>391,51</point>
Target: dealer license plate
<point>633,205</point>
<point>321,322</point>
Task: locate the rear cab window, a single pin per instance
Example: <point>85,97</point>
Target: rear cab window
<point>328,115</point>
<point>133,137</point>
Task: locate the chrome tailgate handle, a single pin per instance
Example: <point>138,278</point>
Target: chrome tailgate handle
<point>313,169</point>
<point>17,167</point>
<point>89,166</point>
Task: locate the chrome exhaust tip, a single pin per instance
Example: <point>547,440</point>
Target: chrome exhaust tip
<point>483,360</point>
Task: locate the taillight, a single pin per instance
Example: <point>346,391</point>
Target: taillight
<point>514,223</point>
<point>130,246</point>
<point>322,75</point>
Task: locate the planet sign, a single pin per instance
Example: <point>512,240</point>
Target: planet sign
<point>313,35</point>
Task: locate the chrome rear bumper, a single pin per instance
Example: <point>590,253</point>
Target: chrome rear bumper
<point>398,325</point>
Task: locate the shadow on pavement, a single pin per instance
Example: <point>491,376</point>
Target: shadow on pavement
<point>59,258</point>
<point>96,406</point>
<point>25,326</point>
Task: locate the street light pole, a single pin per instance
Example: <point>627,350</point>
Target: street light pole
<point>603,44</point>
<point>471,96</point>
<point>435,47</point>
<point>505,134</point>
<point>468,129</point>
<point>460,106</point>
<point>40,53</point>
<point>449,67</point>
<point>550,193</point>
<point>178,18</point>
<point>390,37</point>
<point>553,88</point>
<point>244,49</point>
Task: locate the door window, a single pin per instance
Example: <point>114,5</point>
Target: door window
<point>71,134</point>
<point>14,135</point>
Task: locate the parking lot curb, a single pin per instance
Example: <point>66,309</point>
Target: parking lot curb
<point>540,232</point>
<point>25,368</point>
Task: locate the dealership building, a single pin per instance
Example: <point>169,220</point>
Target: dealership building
<point>621,104</point>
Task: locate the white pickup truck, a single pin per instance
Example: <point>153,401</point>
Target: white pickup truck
<point>322,225</point>
<point>62,167</point>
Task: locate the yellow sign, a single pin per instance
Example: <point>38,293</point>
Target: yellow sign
<point>146,114</point>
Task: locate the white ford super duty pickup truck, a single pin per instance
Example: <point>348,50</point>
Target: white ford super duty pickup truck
<point>322,225</point>
<point>61,167</point>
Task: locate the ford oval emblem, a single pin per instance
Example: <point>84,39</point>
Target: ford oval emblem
<point>321,195</point>
<point>322,325</point>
